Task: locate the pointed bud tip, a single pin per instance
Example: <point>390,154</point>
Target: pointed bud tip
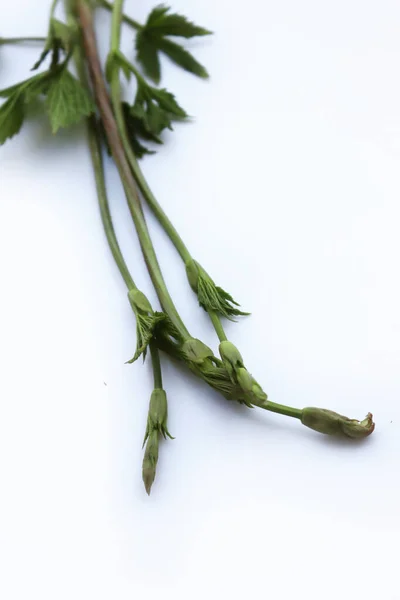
<point>148,479</point>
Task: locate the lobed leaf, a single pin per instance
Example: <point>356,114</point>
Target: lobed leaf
<point>182,57</point>
<point>12,114</point>
<point>161,23</point>
<point>147,56</point>
<point>67,101</point>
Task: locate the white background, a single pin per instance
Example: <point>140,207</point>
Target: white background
<point>286,186</point>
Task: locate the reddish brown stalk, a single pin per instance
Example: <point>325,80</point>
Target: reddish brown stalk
<point>117,150</point>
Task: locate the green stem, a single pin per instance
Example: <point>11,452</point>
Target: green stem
<point>131,22</point>
<point>95,150</point>
<point>53,8</point>
<point>155,360</point>
<point>216,321</point>
<point>136,170</point>
<point>148,195</point>
<point>118,153</point>
<point>21,40</point>
<point>281,409</point>
<point>94,140</point>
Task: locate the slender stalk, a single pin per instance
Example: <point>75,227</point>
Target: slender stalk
<point>280,409</point>
<point>155,360</point>
<point>94,140</point>
<point>95,150</point>
<point>117,18</point>
<point>118,153</point>
<point>131,22</point>
<point>21,40</point>
<point>148,195</point>
<point>53,8</point>
<point>95,144</point>
<point>216,321</point>
<point>98,168</point>
<point>161,216</point>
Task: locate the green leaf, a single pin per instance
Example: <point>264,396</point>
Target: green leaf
<point>63,34</point>
<point>145,327</point>
<point>12,114</point>
<point>182,57</point>
<point>13,110</point>
<point>134,128</point>
<point>60,37</point>
<point>30,88</point>
<point>147,56</point>
<point>17,87</point>
<point>161,23</point>
<point>167,101</point>
<point>210,296</point>
<point>41,58</point>
<point>157,119</point>
<point>67,101</point>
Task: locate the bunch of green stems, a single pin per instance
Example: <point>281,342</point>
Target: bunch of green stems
<point>163,331</point>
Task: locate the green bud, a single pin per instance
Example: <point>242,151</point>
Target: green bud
<point>331,423</point>
<point>245,380</point>
<point>196,351</point>
<point>253,392</point>
<point>150,460</point>
<point>158,415</point>
<point>158,410</point>
<point>192,272</point>
<point>231,358</point>
<point>139,301</point>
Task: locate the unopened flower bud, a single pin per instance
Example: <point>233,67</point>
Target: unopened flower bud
<point>192,272</point>
<point>245,380</point>
<point>150,461</point>
<point>331,423</point>
<point>231,358</point>
<point>158,410</point>
<point>196,351</point>
<point>139,301</point>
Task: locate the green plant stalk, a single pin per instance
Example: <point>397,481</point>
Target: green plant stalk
<point>117,150</point>
<point>94,141</point>
<point>281,409</point>
<point>95,147</point>
<point>161,216</point>
<point>131,22</point>
<point>137,173</point>
<point>118,153</point>
<point>216,321</point>
<point>21,40</point>
<point>155,361</point>
<point>95,151</point>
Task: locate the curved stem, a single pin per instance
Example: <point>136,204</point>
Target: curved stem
<point>53,8</point>
<point>95,150</point>
<point>155,360</point>
<point>216,321</point>
<point>158,211</point>
<point>136,170</point>
<point>98,168</point>
<point>131,22</point>
<point>21,40</point>
<point>281,409</point>
<point>118,153</point>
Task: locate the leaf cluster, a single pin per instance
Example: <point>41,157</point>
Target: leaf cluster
<point>60,40</point>
<point>211,297</point>
<point>154,39</point>
<point>67,102</point>
<point>153,111</point>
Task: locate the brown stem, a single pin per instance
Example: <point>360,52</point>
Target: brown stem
<point>118,153</point>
